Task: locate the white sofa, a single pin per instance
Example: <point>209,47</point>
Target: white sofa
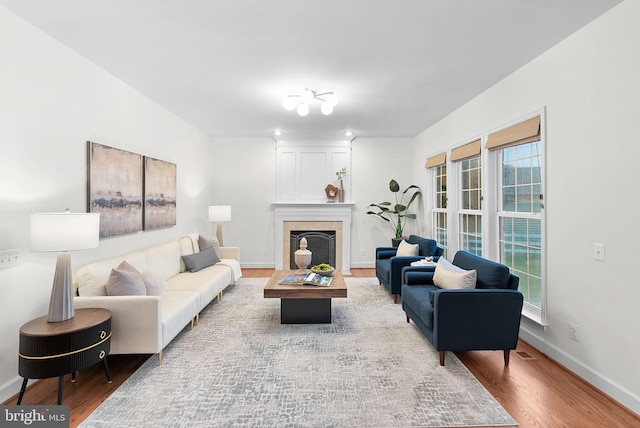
<point>146,324</point>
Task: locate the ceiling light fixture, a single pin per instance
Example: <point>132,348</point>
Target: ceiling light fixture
<point>300,102</point>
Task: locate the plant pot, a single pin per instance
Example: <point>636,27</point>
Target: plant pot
<point>396,241</point>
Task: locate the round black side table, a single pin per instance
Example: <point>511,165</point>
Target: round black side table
<point>50,349</point>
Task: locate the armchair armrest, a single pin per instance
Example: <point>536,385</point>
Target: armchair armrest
<point>230,253</point>
<point>386,252</point>
<point>476,318</point>
<point>414,275</point>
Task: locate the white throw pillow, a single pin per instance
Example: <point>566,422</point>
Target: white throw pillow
<point>406,249</point>
<point>450,276</point>
<point>153,281</point>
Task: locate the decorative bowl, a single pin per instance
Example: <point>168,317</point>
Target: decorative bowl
<point>323,272</point>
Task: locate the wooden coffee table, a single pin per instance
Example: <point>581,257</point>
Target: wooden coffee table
<point>304,304</point>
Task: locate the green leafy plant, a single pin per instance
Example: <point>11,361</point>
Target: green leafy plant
<point>396,215</point>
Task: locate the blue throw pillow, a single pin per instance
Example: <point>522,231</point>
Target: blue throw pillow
<point>201,260</point>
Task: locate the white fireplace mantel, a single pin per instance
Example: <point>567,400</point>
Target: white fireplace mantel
<point>313,212</point>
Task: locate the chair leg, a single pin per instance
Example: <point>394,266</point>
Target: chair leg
<point>408,319</point>
<point>442,358</point>
<point>507,353</point>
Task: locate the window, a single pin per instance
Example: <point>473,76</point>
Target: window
<point>438,203</point>
<point>469,214</point>
<point>519,213</point>
<point>440,207</point>
<point>519,163</point>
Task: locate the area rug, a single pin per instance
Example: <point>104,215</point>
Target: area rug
<point>239,367</point>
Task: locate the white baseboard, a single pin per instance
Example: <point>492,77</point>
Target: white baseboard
<point>11,388</point>
<point>258,265</point>
<point>363,265</point>
<point>595,378</point>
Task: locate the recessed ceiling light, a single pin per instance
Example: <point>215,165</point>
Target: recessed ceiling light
<point>277,133</point>
<point>349,134</point>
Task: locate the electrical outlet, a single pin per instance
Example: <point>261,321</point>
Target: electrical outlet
<point>573,332</point>
<point>598,251</point>
<point>9,258</point>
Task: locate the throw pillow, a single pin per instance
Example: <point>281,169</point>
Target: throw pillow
<point>125,283</point>
<point>204,243</point>
<point>201,260</point>
<point>153,282</point>
<point>124,265</point>
<point>406,249</point>
<point>450,276</point>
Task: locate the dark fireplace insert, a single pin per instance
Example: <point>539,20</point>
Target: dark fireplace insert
<point>322,245</point>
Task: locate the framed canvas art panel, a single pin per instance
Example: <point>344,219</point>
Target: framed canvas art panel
<point>159,193</point>
<point>114,189</point>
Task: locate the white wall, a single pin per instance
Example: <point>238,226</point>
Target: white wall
<point>51,102</point>
<point>375,161</point>
<point>590,87</point>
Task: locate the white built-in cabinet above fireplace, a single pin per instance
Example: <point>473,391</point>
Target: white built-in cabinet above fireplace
<point>306,167</point>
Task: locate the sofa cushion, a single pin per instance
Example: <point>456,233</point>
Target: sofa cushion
<point>427,247</point>
<point>125,283</point>
<point>450,277</point>
<point>489,273</point>
<point>417,298</point>
<point>406,249</point>
<point>186,248</point>
<point>201,260</point>
<point>164,258</point>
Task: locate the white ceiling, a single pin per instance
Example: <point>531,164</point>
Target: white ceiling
<point>397,66</point>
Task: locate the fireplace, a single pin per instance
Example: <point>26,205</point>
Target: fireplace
<point>332,219</point>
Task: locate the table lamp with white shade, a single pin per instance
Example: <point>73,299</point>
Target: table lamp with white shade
<point>63,232</point>
<point>219,214</point>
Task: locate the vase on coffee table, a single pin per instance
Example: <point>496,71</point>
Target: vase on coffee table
<point>302,256</point>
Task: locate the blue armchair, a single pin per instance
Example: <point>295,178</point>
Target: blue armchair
<point>483,318</point>
<point>389,267</point>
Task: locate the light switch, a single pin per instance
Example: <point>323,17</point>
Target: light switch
<point>9,258</point>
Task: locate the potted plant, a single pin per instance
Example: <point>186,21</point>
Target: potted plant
<point>396,216</point>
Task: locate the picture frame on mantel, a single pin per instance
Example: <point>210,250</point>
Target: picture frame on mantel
<point>114,189</point>
<point>160,203</point>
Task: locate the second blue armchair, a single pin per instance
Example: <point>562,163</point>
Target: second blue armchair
<point>389,266</point>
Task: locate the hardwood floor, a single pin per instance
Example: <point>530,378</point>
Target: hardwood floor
<point>536,391</point>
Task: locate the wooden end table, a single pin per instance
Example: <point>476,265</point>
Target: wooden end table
<point>50,349</point>
<point>304,304</point>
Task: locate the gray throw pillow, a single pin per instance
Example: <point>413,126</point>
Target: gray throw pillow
<point>201,260</point>
<point>125,283</point>
<point>153,281</point>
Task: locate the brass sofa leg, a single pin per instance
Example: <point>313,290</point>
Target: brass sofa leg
<point>160,358</point>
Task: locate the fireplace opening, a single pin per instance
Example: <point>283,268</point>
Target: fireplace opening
<point>321,243</point>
